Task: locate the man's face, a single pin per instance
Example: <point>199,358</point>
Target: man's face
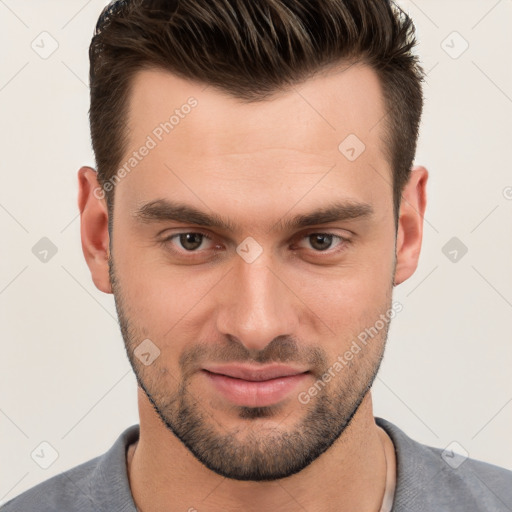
<point>257,289</point>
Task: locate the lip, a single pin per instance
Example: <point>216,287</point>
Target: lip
<point>255,373</point>
<point>255,387</point>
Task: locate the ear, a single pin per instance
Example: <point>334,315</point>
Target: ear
<point>410,224</point>
<point>94,227</point>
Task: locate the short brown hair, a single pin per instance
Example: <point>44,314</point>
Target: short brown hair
<point>252,49</point>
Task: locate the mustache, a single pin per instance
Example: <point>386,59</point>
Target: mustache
<point>282,349</point>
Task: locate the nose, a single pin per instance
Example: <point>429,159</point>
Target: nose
<point>257,304</point>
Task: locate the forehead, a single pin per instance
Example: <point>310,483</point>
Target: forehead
<point>317,114</point>
<point>296,135</point>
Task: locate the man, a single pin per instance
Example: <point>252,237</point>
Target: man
<point>254,205</point>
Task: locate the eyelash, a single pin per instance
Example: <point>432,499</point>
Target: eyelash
<point>343,242</point>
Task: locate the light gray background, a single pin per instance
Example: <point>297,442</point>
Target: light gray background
<point>64,376</point>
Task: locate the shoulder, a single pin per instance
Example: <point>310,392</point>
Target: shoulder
<point>477,485</point>
<point>100,484</point>
<point>66,491</point>
<point>437,479</point>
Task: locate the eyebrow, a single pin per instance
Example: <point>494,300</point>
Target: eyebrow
<point>161,210</point>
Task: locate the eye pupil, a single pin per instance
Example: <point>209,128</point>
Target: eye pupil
<point>191,241</point>
<point>321,239</point>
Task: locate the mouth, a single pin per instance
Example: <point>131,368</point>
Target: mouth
<point>252,386</point>
<point>254,373</point>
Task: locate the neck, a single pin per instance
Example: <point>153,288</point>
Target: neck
<point>350,475</point>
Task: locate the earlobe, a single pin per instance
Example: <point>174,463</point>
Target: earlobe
<point>410,224</point>
<point>94,227</point>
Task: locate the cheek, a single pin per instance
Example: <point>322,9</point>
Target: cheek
<point>351,298</point>
<point>162,299</point>
<point>351,305</point>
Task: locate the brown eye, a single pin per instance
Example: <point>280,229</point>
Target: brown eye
<point>321,241</point>
<point>187,242</point>
<point>191,241</point>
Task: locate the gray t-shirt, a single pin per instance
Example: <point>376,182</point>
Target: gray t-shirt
<point>427,480</point>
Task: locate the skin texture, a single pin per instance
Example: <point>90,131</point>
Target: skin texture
<point>255,164</point>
